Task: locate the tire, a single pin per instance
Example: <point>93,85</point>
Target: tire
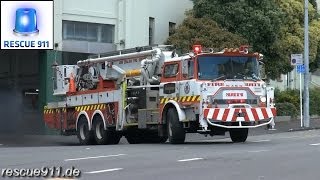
<point>239,135</point>
<point>103,136</point>
<point>84,135</point>
<point>176,133</point>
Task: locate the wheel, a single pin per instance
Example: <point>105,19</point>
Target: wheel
<point>103,136</point>
<point>84,135</point>
<point>239,135</point>
<point>176,133</point>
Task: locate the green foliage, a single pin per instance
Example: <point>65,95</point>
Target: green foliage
<point>315,101</point>
<point>286,109</point>
<point>273,27</point>
<point>288,96</point>
<point>283,98</point>
<point>203,31</point>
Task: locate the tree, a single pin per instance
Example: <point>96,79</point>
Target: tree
<point>272,27</point>
<point>203,31</point>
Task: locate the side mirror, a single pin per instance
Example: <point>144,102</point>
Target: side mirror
<point>262,71</point>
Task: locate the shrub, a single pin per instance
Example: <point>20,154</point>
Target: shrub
<point>286,109</point>
<point>288,96</point>
<point>283,98</point>
<point>314,101</point>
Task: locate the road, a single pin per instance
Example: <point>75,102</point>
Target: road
<point>279,156</point>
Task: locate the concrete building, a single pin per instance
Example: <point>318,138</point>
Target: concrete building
<point>81,28</point>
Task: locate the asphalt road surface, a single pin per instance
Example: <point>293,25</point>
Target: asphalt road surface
<point>279,156</point>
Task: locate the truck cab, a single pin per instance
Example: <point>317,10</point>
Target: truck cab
<point>215,92</point>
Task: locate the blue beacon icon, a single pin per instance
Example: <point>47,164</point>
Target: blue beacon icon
<point>26,22</point>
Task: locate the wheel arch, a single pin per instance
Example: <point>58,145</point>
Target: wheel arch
<point>173,104</point>
<point>85,114</point>
<point>99,113</point>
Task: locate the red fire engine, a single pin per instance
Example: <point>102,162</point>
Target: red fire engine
<point>154,95</point>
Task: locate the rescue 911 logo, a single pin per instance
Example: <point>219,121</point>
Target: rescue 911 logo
<point>26,24</point>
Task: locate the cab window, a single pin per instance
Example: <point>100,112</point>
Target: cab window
<point>171,70</point>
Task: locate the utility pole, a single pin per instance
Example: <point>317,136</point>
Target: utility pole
<point>306,117</point>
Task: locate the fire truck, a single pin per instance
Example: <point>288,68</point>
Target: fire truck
<point>154,95</point>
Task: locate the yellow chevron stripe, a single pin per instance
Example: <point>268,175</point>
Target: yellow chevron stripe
<point>189,98</point>
<point>199,98</point>
<point>184,98</point>
<point>193,98</point>
<point>162,101</point>
<point>95,106</point>
<point>103,106</point>
<point>81,108</point>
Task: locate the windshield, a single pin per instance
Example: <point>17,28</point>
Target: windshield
<point>221,68</point>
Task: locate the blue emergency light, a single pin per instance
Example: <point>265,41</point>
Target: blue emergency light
<point>26,22</point>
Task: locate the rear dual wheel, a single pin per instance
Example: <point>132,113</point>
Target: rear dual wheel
<point>104,136</point>
<point>84,135</point>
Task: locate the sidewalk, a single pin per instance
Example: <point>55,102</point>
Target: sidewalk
<point>286,126</point>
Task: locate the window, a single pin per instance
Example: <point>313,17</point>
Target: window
<point>172,28</point>
<point>151,31</point>
<point>190,69</point>
<point>171,70</point>
<point>84,31</point>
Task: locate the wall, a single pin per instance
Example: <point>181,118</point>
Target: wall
<point>165,11</point>
<point>131,18</point>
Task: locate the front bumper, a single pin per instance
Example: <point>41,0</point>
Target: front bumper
<point>239,117</point>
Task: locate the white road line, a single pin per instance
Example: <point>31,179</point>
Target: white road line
<point>257,151</point>
<point>262,140</point>
<point>1,144</point>
<point>94,157</point>
<point>317,144</point>
<point>102,171</point>
<point>193,159</point>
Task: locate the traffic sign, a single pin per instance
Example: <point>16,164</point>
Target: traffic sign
<point>296,59</point>
<point>301,69</point>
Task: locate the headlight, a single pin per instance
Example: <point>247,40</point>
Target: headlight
<point>263,99</point>
<point>264,86</point>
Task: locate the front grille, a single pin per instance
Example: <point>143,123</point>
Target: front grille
<point>235,101</point>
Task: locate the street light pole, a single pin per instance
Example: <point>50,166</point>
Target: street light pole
<point>306,117</point>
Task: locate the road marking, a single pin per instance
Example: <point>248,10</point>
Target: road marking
<point>94,157</point>
<point>262,140</point>
<point>87,148</point>
<point>193,159</point>
<point>257,151</point>
<point>317,144</point>
<point>1,144</point>
<point>102,171</point>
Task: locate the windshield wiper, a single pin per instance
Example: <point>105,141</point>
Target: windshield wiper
<point>218,78</point>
